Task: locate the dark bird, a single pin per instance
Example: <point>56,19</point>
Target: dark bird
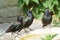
<point>21,23</point>
<point>15,26</point>
<point>28,20</point>
<point>47,18</point>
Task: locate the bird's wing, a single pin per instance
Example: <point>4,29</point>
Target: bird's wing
<point>25,20</point>
<point>10,29</point>
<point>17,23</point>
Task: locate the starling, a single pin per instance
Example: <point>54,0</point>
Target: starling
<point>47,18</point>
<point>28,20</point>
<point>15,26</point>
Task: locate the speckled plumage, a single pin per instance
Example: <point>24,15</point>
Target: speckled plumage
<point>47,18</point>
<point>15,26</point>
<point>28,20</point>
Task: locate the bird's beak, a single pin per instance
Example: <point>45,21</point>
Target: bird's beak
<point>31,8</point>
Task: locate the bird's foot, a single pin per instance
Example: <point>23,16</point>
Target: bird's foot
<point>49,26</point>
<point>30,29</point>
<point>17,34</point>
<point>26,31</point>
<point>44,26</point>
<point>13,33</point>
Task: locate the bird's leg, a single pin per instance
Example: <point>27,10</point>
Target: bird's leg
<point>15,34</point>
<point>12,32</point>
<point>18,32</point>
<point>25,31</point>
<point>50,25</point>
<point>30,29</point>
<point>44,26</point>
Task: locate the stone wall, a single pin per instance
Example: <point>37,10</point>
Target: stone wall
<point>8,10</point>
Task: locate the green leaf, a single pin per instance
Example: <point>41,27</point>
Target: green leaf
<point>58,7</point>
<point>26,1</point>
<point>40,15</point>
<point>56,24</point>
<point>58,14</point>
<point>55,2</point>
<point>41,7</point>
<point>20,4</point>
<point>54,35</point>
<point>55,10</point>
<point>36,1</point>
<point>25,9</point>
<point>35,11</point>
<point>49,37</point>
<point>48,4</point>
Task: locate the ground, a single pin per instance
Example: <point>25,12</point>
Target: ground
<point>36,26</point>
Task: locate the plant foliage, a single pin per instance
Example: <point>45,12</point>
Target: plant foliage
<point>39,6</point>
<point>49,37</point>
